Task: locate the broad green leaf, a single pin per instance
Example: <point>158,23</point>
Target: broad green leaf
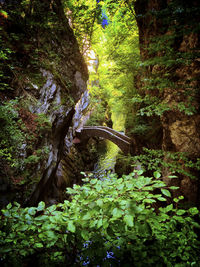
<point>17,204</point>
<point>119,181</point>
<point>23,252</point>
<point>160,184</point>
<point>120,186</point>
<point>169,208</point>
<point>193,211</point>
<point>161,199</point>
<point>85,179</point>
<point>142,182</point>
<point>172,176</point>
<point>150,200</point>
<point>38,245</point>
<point>91,205</point>
<point>41,206</point>
<point>139,172</point>
<point>180,212</point>
<point>174,187</point>
<point>66,202</point>
<point>48,226</point>
<point>93,223</point>
<point>32,211</point>
<point>23,227</point>
<point>9,206</point>
<point>98,187</point>
<point>148,188</point>
<point>129,185</point>
<point>93,181</point>
<point>139,209</point>
<point>70,191</point>
<point>100,202</point>
<point>117,213</point>
<point>51,234</point>
<point>52,208</point>
<point>6,213</point>
<point>128,220</point>
<point>87,216</point>
<point>123,202</point>
<point>100,223</point>
<point>71,227</point>
<point>85,234</point>
<point>166,192</point>
<point>179,219</point>
<point>105,223</point>
<point>196,225</point>
<point>42,236</point>
<point>156,174</point>
<point>53,219</point>
<point>28,217</point>
<point>41,218</point>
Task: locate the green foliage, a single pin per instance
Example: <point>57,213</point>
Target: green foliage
<point>39,154</point>
<point>99,107</point>
<point>83,15</point>
<point>26,37</point>
<point>112,78</point>
<point>44,122</point>
<point>5,56</point>
<point>176,162</point>
<point>120,217</point>
<point>21,133</point>
<point>11,136</point>
<point>166,57</point>
<point>32,159</point>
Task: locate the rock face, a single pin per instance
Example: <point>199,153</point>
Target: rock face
<point>169,40</point>
<point>49,89</point>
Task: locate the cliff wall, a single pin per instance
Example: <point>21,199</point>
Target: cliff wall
<point>45,76</point>
<point>169,46</point>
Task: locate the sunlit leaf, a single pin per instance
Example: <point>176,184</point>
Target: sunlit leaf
<point>71,227</point>
<point>128,220</point>
<point>41,206</point>
<point>156,174</point>
<point>166,192</point>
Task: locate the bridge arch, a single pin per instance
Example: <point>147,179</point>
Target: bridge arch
<point>118,138</point>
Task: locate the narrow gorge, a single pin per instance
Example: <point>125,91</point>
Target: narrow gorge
<point>99,133</point>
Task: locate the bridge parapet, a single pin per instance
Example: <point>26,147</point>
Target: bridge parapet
<point>121,140</point>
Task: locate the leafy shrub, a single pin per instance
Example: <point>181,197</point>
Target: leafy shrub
<point>111,221</point>
<point>11,136</point>
<point>175,162</point>
<point>43,122</point>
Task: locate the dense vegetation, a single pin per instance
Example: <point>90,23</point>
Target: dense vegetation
<point>136,85</point>
<point>111,221</point>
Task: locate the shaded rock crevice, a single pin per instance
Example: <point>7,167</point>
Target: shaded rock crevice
<point>46,189</point>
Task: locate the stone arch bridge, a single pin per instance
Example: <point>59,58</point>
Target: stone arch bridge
<point>120,139</point>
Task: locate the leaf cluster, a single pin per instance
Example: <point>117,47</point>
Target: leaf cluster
<point>153,159</point>
<point>11,136</point>
<point>105,221</point>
